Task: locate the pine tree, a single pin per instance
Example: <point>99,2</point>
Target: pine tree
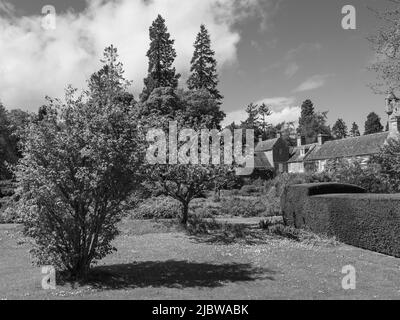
<point>312,123</point>
<point>161,56</point>
<point>264,111</point>
<point>307,111</point>
<point>339,129</point>
<point>204,66</point>
<point>109,81</point>
<point>373,124</point>
<point>355,131</point>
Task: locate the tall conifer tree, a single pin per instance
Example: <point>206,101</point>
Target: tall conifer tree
<point>204,66</point>
<point>161,56</point>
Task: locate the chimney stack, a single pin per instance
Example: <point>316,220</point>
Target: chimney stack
<point>321,139</point>
<point>260,138</point>
<point>300,140</point>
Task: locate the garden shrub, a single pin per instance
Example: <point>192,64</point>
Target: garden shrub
<point>354,172</point>
<point>79,165</point>
<point>243,207</point>
<point>161,207</point>
<point>8,214</point>
<point>284,231</point>
<point>388,166</point>
<point>220,232</point>
<point>272,202</point>
<point>249,190</point>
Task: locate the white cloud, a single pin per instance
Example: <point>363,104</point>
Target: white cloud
<point>291,69</point>
<point>312,83</point>
<point>35,62</point>
<point>283,109</point>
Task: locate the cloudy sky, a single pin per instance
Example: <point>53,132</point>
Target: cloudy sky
<point>277,51</point>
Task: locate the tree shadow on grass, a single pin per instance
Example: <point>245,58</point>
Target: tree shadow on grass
<point>173,274</point>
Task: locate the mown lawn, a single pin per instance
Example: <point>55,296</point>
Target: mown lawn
<point>160,261</point>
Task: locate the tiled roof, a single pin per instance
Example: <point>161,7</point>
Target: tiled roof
<point>297,157</point>
<point>266,145</point>
<point>350,147</point>
<point>261,161</point>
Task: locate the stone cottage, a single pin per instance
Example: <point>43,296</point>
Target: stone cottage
<point>314,157</point>
<point>272,155</point>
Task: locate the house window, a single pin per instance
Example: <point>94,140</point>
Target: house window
<point>302,152</point>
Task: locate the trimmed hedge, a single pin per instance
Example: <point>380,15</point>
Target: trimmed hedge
<point>368,221</point>
<point>294,197</point>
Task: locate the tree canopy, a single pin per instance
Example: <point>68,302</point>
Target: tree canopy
<point>339,129</point>
<point>312,123</point>
<point>373,124</point>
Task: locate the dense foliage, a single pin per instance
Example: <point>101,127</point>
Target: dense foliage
<point>339,129</point>
<point>312,123</point>
<point>79,165</point>
<point>373,124</point>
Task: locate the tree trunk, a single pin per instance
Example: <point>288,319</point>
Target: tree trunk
<point>81,271</point>
<point>185,212</point>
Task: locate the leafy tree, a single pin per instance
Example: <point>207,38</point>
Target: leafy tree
<point>357,173</point>
<point>80,163</point>
<point>339,129</point>
<point>109,81</point>
<point>380,175</point>
<point>161,56</point>
<point>388,161</point>
<point>204,66</point>
<point>187,182</point>
<point>19,121</point>
<point>373,124</point>
<point>252,122</point>
<point>8,144</point>
<point>312,123</point>
<point>162,101</point>
<point>287,131</point>
<point>199,105</point>
<point>354,132</point>
<point>42,113</point>
<point>184,182</point>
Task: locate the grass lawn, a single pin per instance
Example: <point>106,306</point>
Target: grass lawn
<point>159,261</point>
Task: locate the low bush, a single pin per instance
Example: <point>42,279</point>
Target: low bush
<point>272,202</point>
<point>198,226</point>
<point>243,207</point>
<point>206,212</point>
<point>284,231</point>
<point>221,232</point>
<point>249,190</point>
<point>354,172</point>
<point>158,208</point>
<point>8,211</point>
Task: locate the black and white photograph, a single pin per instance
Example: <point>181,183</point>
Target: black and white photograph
<point>200,155</point>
